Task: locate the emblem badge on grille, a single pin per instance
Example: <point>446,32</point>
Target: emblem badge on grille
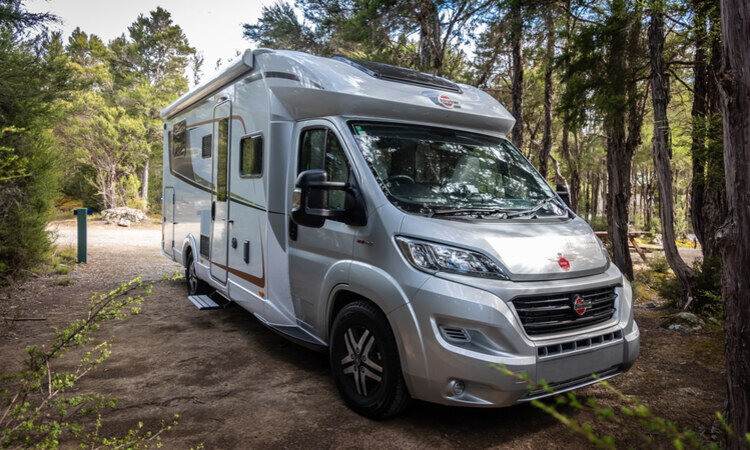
<point>580,305</point>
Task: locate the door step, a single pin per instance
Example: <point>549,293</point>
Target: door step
<point>203,302</point>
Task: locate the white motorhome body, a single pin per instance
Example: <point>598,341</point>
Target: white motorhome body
<point>233,150</point>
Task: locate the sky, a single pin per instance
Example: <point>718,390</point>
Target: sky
<point>213,27</point>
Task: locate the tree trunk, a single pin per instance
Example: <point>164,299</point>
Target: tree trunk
<point>734,79</point>
<point>549,57</point>
<point>517,63</point>
<point>662,150</point>
<point>430,53</point>
<point>144,183</point>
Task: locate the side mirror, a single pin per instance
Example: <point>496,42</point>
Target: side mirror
<point>311,201</point>
<point>562,192</point>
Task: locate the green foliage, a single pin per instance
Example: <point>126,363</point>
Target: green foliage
<point>41,405</point>
<point>707,284</point>
<point>33,75</point>
<point>630,416</point>
<point>659,264</point>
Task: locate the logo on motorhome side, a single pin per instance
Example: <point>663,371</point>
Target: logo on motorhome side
<point>448,102</point>
<point>564,263</point>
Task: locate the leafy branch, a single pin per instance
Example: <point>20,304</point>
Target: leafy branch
<point>38,408</point>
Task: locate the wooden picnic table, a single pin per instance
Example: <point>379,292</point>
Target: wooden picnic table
<point>631,236</point>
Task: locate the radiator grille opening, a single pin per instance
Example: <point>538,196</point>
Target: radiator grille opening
<point>581,344</point>
<point>559,312</point>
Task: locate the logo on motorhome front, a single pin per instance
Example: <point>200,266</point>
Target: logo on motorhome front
<point>447,101</point>
<point>564,263</point>
<point>580,305</point>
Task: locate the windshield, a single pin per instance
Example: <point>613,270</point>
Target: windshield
<point>437,169</point>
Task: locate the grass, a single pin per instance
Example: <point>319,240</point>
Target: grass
<point>64,282</point>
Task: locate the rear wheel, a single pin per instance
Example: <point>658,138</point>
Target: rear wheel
<point>195,286</point>
<point>365,362</point>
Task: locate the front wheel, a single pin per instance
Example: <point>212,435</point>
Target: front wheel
<point>365,362</point>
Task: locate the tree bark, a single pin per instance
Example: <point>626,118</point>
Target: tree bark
<point>430,51</point>
<point>698,115</point>
<point>662,150</point>
<point>734,235</point>
<point>549,56</point>
<point>144,182</point>
<point>517,63</point>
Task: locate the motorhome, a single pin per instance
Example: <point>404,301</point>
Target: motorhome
<point>381,215</point>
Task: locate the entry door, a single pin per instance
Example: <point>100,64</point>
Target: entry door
<point>315,252</point>
<point>220,192</point>
<point>168,221</point>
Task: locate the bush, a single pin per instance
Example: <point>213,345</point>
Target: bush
<point>598,223</point>
<point>28,185</point>
<point>659,264</point>
<point>707,295</point>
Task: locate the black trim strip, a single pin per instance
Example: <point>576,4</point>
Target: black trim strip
<point>211,191</point>
<point>290,76</point>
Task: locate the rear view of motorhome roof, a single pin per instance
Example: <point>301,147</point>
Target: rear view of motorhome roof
<point>401,74</point>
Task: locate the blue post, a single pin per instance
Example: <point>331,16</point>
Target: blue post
<point>82,213</point>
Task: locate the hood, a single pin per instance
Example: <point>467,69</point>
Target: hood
<point>527,250</point>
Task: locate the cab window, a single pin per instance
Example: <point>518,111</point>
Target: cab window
<point>320,149</point>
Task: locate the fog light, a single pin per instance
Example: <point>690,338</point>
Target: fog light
<point>458,388</point>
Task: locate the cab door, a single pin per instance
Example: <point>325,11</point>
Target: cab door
<point>220,192</point>
<point>315,252</point>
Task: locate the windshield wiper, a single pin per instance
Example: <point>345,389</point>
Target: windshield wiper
<point>465,212</point>
<point>541,204</point>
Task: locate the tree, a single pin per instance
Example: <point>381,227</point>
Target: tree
<point>603,71</point>
<point>662,147</point>
<point>278,27</point>
<point>549,55</point>
<point>516,36</point>
<point>153,61</point>
<point>708,204</point>
<point>33,76</point>
<point>106,139</point>
<point>734,82</point>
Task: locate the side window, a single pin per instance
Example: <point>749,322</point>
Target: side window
<point>181,162</point>
<point>321,149</point>
<point>206,146</point>
<point>251,156</point>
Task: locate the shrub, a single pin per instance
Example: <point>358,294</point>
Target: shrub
<point>630,416</point>
<point>40,404</point>
<point>659,264</point>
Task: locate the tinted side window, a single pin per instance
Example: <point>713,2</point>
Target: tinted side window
<point>181,161</point>
<point>251,156</point>
<point>322,150</point>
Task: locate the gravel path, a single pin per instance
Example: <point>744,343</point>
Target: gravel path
<point>236,384</point>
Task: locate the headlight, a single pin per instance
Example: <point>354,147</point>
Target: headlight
<point>431,258</point>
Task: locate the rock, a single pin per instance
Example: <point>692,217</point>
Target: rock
<point>688,318</point>
<point>684,319</point>
<point>117,215</point>
<point>123,222</point>
<point>650,305</point>
<point>678,328</point>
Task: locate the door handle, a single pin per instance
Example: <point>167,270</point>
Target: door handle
<point>213,210</point>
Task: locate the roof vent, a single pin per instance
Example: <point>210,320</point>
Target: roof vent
<point>400,74</point>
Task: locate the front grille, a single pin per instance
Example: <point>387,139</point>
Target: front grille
<point>551,313</point>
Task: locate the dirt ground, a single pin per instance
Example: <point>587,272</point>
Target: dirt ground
<point>235,384</point>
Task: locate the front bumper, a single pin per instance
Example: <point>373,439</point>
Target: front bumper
<point>433,360</point>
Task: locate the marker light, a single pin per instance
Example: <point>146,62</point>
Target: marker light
<point>430,257</point>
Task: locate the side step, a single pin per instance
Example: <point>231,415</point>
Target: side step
<point>203,302</point>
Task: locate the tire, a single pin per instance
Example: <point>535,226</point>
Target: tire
<point>362,342</point>
<point>195,286</point>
